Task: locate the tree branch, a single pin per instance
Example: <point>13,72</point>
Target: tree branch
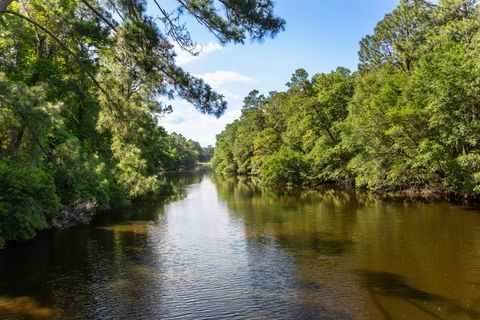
<point>101,16</point>
<point>4,4</point>
<point>64,46</point>
<point>183,40</point>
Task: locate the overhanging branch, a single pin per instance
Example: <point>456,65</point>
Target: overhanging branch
<point>101,16</point>
<point>57,40</point>
<point>66,48</point>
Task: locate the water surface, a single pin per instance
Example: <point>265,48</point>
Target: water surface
<point>223,248</point>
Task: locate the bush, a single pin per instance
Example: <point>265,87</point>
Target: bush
<point>285,167</point>
<point>27,199</point>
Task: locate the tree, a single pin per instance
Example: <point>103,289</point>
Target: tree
<point>251,122</point>
<point>265,144</point>
<point>223,159</point>
<point>409,119</point>
<point>326,113</point>
<point>80,82</point>
<point>207,153</point>
<point>406,123</point>
<point>397,37</point>
<point>285,167</point>
<point>149,44</point>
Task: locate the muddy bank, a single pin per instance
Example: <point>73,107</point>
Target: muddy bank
<point>80,212</point>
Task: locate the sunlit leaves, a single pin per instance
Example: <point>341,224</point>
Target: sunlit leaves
<point>409,119</point>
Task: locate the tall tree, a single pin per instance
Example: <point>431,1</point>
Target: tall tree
<point>80,89</point>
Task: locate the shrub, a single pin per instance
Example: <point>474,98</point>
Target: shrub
<point>285,167</point>
<point>27,199</point>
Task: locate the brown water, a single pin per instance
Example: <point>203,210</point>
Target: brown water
<point>225,249</point>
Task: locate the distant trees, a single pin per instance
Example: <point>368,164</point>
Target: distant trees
<point>206,154</point>
<point>80,82</point>
<point>185,154</point>
<point>409,118</point>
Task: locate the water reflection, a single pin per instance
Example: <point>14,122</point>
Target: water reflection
<point>226,248</point>
<point>331,233</point>
<point>140,227</point>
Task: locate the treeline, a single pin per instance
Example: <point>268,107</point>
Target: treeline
<point>80,89</point>
<point>52,157</point>
<point>408,119</point>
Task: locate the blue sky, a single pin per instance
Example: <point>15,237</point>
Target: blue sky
<point>320,35</point>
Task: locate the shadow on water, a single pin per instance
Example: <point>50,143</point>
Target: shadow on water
<point>391,285</point>
<point>332,247</point>
<point>61,274</point>
<point>323,244</point>
<point>173,187</point>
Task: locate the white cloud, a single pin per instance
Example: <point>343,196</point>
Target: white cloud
<point>220,77</point>
<point>184,57</point>
<point>194,125</point>
<point>229,96</point>
<point>186,120</point>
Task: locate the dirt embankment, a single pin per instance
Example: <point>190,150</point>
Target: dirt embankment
<point>80,212</point>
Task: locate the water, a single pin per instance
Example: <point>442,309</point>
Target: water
<point>223,248</point>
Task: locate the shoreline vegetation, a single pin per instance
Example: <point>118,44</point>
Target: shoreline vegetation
<point>83,86</point>
<point>407,123</point>
<point>83,212</point>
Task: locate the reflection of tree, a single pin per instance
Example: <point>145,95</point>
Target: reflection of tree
<point>173,188</point>
<point>297,218</point>
<point>384,284</point>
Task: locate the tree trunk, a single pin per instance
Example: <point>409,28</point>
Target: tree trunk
<point>4,4</point>
<point>17,141</point>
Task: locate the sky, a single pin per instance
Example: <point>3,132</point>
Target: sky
<point>320,35</point>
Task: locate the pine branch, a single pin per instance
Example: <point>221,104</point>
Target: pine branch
<point>101,16</point>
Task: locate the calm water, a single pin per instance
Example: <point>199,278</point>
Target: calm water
<point>225,249</point>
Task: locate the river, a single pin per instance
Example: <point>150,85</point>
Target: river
<point>225,249</point>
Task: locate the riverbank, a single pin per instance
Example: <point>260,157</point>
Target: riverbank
<point>80,212</point>
<point>84,212</point>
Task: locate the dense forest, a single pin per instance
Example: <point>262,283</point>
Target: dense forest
<point>408,119</point>
<point>82,85</point>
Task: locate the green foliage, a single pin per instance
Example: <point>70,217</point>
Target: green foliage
<point>80,92</point>
<point>79,175</point>
<point>184,154</point>
<point>409,119</point>
<point>252,120</point>
<point>207,154</point>
<point>398,37</point>
<point>265,143</point>
<point>27,199</point>
<point>306,119</point>
<point>284,167</point>
<point>223,160</point>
